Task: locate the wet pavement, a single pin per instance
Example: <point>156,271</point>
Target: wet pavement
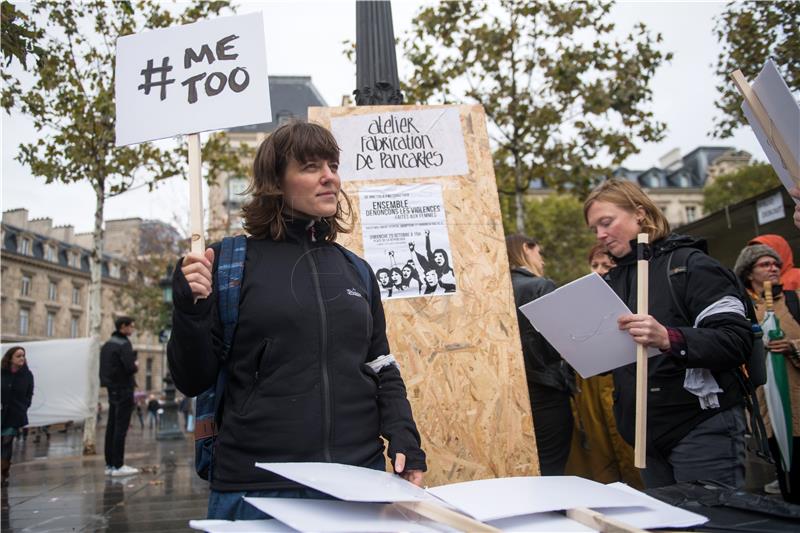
<point>54,488</point>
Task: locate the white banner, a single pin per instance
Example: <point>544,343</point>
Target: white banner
<point>61,386</point>
<point>208,75</point>
<point>406,241</point>
<point>403,144</point>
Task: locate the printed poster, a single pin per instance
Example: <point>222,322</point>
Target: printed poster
<point>406,241</point>
<point>420,143</point>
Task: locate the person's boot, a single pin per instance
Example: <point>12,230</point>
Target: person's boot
<point>5,467</point>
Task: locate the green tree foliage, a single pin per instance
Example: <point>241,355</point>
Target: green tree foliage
<point>744,183</point>
<point>750,33</point>
<point>556,222</point>
<point>566,100</point>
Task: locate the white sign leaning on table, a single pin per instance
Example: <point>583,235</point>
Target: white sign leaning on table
<point>204,76</point>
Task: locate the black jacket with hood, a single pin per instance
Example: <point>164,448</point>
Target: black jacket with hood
<point>720,341</point>
<point>118,363</point>
<point>17,394</point>
<point>298,388</point>
<point>543,364</point>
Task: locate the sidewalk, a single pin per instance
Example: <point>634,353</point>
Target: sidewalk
<point>54,488</point>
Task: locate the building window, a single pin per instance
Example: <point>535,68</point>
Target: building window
<point>52,291</point>
<point>74,327</point>
<point>50,324</point>
<point>25,288</point>
<point>691,213</point>
<point>24,321</point>
<point>25,247</point>
<point>50,253</point>
<point>75,260</point>
<point>148,377</point>
<point>76,295</point>
<point>113,270</point>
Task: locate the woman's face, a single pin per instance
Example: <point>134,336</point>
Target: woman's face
<point>312,188</point>
<point>533,255</point>
<point>431,278</point>
<point>438,258</point>
<point>766,269</point>
<point>406,273</point>
<point>383,279</point>
<point>18,359</point>
<point>615,227</point>
<point>396,277</point>
<point>601,263</point>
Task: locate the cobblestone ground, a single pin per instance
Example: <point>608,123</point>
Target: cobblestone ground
<point>54,488</point>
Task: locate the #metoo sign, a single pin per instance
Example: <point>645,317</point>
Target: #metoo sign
<point>203,76</point>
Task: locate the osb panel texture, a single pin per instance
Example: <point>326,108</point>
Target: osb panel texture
<point>460,355</point>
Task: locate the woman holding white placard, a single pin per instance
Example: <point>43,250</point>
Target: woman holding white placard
<point>695,413</point>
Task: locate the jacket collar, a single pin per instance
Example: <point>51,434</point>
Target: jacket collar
<point>300,229</point>
<point>524,271</point>
<point>664,246</point>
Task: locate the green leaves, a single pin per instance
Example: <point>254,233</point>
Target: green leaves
<point>750,33</point>
<point>744,183</point>
<point>565,101</point>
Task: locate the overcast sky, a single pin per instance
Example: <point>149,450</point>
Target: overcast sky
<point>305,38</point>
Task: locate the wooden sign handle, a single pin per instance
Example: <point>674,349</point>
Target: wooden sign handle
<point>443,515</point>
<point>773,134</point>
<point>600,522</point>
<point>198,242</point>
<point>642,307</point>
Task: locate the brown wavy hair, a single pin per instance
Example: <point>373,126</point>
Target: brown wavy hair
<point>5,364</point>
<point>515,246</point>
<point>629,196</point>
<point>263,214</point>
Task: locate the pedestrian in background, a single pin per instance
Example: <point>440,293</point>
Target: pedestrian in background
<point>696,319</point>
<point>550,380</point>
<point>598,451</point>
<point>17,394</point>
<point>756,265</point>
<point>789,275</point>
<point>152,412</point>
<point>117,373</point>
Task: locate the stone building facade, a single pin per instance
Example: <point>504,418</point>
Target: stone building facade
<point>44,284</point>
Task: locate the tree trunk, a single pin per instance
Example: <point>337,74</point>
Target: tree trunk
<point>95,321</point>
<point>519,205</point>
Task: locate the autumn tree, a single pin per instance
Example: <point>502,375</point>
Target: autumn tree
<point>739,185</point>
<point>567,100</point>
<point>750,33</point>
<point>71,103</point>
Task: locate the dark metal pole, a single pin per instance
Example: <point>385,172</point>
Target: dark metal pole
<point>377,82</point>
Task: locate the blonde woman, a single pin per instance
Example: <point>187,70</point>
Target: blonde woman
<point>550,380</point>
<point>696,319</point>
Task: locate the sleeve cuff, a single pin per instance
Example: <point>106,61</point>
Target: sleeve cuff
<point>677,343</point>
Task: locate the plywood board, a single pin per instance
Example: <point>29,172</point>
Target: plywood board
<point>460,354</point>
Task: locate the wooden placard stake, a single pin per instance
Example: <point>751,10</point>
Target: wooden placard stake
<point>764,120</point>
<point>446,516</point>
<point>642,271</point>
<point>600,522</point>
<point>198,242</point>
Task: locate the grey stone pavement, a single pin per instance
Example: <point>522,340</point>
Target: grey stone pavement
<point>54,488</point>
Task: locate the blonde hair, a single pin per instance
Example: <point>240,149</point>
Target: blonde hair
<point>629,196</point>
<point>515,247</point>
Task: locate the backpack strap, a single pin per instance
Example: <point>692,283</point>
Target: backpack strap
<point>793,303</point>
<point>361,266</point>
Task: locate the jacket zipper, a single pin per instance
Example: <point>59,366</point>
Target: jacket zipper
<point>326,405</point>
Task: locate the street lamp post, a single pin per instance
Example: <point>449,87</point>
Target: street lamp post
<point>377,82</point>
<point>169,426</point>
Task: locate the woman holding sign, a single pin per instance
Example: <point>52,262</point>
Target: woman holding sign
<point>310,376</point>
<point>695,422</point>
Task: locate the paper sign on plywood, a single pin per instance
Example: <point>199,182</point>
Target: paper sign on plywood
<point>403,144</point>
<point>204,76</point>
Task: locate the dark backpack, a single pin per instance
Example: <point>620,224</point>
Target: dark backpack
<point>230,271</point>
<point>755,362</point>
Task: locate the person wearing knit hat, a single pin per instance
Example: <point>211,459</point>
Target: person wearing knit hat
<point>748,258</point>
<point>756,265</point>
<point>790,275</point>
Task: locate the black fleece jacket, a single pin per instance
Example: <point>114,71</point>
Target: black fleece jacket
<point>720,342</point>
<point>17,394</point>
<point>298,387</point>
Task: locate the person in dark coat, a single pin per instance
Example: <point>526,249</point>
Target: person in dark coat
<point>550,380</point>
<point>17,394</point>
<point>310,375</point>
<point>118,368</point>
<point>695,409</point>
